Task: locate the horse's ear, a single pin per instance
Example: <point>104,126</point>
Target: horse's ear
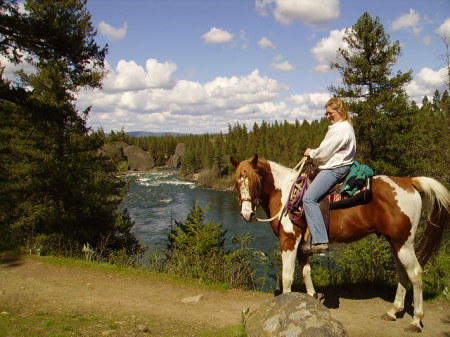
<point>254,160</point>
<point>234,162</point>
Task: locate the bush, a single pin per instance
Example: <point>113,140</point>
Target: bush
<point>196,250</point>
<point>436,276</point>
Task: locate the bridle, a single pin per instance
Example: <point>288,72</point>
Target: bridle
<point>256,200</point>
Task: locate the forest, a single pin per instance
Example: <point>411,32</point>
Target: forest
<point>59,195</point>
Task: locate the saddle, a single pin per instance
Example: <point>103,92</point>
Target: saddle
<point>354,189</point>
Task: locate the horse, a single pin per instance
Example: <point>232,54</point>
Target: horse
<point>393,212</point>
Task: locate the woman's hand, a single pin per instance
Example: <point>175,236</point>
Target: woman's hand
<point>307,151</point>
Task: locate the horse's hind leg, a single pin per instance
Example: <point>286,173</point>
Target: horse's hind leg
<point>399,301</point>
<point>408,258</point>
<point>306,273</point>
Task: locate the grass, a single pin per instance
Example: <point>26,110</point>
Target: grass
<point>20,322</point>
<point>129,272</point>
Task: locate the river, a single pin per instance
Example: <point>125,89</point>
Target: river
<point>156,200</point>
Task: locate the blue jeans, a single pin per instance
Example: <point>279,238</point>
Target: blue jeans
<point>323,182</point>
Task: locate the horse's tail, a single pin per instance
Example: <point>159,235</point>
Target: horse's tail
<point>436,200</point>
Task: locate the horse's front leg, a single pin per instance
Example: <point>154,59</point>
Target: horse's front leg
<point>288,246</point>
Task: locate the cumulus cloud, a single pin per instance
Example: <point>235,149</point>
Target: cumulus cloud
<point>444,30</point>
<point>407,21</point>
<point>217,35</point>
<point>130,76</point>
<point>282,66</point>
<point>111,33</point>
<point>266,43</point>
<point>308,106</point>
<point>426,82</point>
<point>133,99</point>
<point>310,12</point>
<point>326,49</point>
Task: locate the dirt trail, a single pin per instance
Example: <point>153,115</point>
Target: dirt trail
<point>70,288</point>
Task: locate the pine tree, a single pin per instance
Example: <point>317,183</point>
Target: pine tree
<point>384,121</point>
<point>54,181</point>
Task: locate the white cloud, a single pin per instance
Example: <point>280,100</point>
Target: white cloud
<point>309,106</point>
<point>444,30</point>
<point>11,68</point>
<point>312,100</point>
<point>217,35</point>
<point>282,66</point>
<point>130,100</point>
<point>111,33</point>
<point>130,76</point>
<point>426,83</point>
<point>310,12</point>
<point>431,78</point>
<point>407,21</point>
<point>266,43</point>
<point>326,49</point>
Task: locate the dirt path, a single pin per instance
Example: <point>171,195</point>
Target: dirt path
<point>70,289</point>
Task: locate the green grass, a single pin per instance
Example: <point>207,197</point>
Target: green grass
<point>20,322</point>
<point>128,271</point>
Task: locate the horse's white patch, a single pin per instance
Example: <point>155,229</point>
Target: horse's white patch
<point>283,179</point>
<point>409,203</point>
<point>246,205</point>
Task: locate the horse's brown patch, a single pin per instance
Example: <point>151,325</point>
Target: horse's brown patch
<point>404,183</point>
<point>287,240</point>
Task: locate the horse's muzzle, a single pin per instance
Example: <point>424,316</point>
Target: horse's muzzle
<point>247,211</point>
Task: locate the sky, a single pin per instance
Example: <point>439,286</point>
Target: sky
<point>198,66</point>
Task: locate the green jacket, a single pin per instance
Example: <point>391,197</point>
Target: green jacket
<point>356,179</point>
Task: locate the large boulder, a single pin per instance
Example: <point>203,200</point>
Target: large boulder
<point>293,315</point>
<point>114,150</point>
<point>138,159</point>
<point>177,158</point>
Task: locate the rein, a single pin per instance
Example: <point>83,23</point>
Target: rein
<point>297,169</point>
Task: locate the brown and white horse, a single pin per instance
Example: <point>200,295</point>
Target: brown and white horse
<point>394,212</point>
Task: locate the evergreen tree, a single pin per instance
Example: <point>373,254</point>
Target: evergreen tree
<point>54,183</point>
<point>195,246</point>
<point>384,121</point>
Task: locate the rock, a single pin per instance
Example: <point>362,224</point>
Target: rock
<point>176,159</point>
<point>114,150</point>
<point>138,159</point>
<point>293,315</point>
<point>192,299</point>
<point>142,328</point>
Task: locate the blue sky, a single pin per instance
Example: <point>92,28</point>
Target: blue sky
<point>195,66</point>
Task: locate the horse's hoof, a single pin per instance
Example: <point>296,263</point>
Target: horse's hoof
<point>413,329</point>
<point>386,317</point>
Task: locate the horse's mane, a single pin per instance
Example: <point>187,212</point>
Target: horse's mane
<point>254,179</point>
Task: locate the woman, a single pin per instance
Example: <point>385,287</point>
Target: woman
<point>334,157</point>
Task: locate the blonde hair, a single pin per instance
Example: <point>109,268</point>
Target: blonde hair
<point>340,106</point>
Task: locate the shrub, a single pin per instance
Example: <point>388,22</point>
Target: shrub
<point>196,250</point>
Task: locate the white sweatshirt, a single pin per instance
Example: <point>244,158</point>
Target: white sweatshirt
<point>338,148</point>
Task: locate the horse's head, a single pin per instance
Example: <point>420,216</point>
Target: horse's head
<point>247,182</point>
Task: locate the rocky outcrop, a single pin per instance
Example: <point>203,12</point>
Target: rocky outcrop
<point>115,150</point>
<point>138,159</point>
<point>294,315</point>
<point>176,159</point>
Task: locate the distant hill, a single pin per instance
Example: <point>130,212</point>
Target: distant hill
<point>152,134</point>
